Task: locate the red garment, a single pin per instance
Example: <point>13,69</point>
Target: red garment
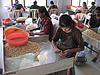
<point>47,26</point>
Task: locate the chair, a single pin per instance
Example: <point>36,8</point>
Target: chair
<point>34,13</point>
<point>87,20</point>
<point>17,13</point>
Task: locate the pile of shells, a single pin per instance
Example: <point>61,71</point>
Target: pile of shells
<point>14,51</point>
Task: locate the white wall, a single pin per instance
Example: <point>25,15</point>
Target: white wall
<point>98,2</point>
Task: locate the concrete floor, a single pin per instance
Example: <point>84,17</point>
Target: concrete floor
<point>90,68</point>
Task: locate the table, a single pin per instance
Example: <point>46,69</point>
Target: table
<point>93,39</point>
<point>51,66</point>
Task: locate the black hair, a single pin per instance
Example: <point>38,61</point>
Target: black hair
<point>93,3</point>
<point>35,2</point>
<point>42,9</point>
<point>66,21</point>
<point>85,5</point>
<point>51,2</point>
<point>16,1</point>
<point>84,2</point>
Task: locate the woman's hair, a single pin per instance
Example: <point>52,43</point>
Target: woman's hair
<point>35,2</point>
<point>42,9</point>
<point>16,1</point>
<point>51,2</point>
<point>85,5</point>
<point>66,21</point>
<point>92,3</point>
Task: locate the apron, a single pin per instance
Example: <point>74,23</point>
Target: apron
<point>66,44</point>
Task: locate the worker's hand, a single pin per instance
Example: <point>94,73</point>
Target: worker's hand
<point>63,54</point>
<point>57,50</point>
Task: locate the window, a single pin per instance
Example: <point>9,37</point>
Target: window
<point>39,2</point>
<point>29,2</point>
<point>43,2</point>
<point>20,1</point>
<point>75,3</point>
<point>89,2</point>
<point>80,2</point>
<point>6,3</point>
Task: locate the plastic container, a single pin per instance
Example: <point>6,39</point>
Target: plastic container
<point>7,21</point>
<point>10,30</point>
<point>17,39</point>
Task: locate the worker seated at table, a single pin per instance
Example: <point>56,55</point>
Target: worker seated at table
<point>18,8</point>
<point>34,6</point>
<point>68,39</point>
<point>95,19</point>
<point>53,9</point>
<point>44,24</point>
<point>92,8</point>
